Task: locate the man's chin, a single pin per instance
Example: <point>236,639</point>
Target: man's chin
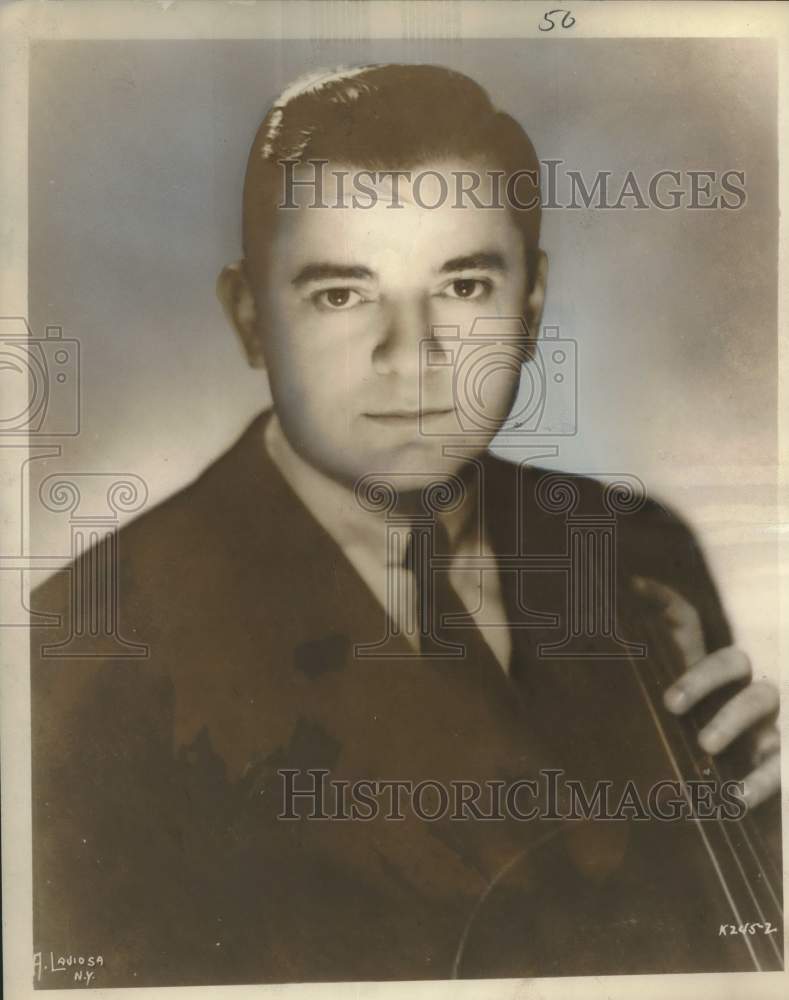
<point>424,460</point>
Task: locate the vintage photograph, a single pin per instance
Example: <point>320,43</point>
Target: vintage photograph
<point>401,495</point>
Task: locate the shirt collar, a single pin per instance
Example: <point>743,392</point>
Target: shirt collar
<point>335,507</point>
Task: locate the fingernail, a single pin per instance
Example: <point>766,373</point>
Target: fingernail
<point>676,699</point>
<point>711,739</point>
<point>747,794</point>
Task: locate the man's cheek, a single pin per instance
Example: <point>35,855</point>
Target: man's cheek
<point>486,386</point>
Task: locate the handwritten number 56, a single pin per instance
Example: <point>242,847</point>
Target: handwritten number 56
<point>548,24</point>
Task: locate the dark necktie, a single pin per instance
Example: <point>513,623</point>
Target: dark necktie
<point>483,715</point>
<point>446,628</point>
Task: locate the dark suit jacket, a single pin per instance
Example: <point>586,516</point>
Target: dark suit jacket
<point>156,786</point>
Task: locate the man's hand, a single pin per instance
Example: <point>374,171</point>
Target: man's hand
<point>754,709</point>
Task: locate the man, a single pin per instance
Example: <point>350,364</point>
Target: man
<point>347,593</point>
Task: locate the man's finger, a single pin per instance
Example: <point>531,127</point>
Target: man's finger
<point>766,742</point>
<point>762,782</point>
<point>713,671</point>
<point>681,617</point>
<point>757,702</point>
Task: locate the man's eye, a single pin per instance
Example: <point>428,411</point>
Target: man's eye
<point>467,288</point>
<point>337,298</point>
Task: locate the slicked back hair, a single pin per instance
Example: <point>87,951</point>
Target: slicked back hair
<point>383,117</point>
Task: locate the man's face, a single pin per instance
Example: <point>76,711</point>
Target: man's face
<point>366,315</point>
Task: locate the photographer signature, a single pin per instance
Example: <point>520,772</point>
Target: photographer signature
<point>81,968</point>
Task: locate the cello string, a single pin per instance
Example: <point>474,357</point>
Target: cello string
<point>747,826</point>
<point>660,663</point>
<point>702,832</point>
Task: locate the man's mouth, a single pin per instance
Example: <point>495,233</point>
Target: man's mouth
<point>405,415</point>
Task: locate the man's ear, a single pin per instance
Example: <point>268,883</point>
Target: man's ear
<point>238,302</point>
<point>535,299</point>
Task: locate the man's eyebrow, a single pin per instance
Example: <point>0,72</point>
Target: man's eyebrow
<point>488,260</point>
<point>323,270</point>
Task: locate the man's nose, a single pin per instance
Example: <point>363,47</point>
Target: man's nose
<point>406,324</point>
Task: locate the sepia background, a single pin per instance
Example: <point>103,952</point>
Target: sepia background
<point>137,156</point>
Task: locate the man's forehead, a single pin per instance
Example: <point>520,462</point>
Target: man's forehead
<point>425,228</point>
<point>405,243</point>
<point>448,182</point>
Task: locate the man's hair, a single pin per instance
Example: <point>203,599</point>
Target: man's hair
<point>384,117</point>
